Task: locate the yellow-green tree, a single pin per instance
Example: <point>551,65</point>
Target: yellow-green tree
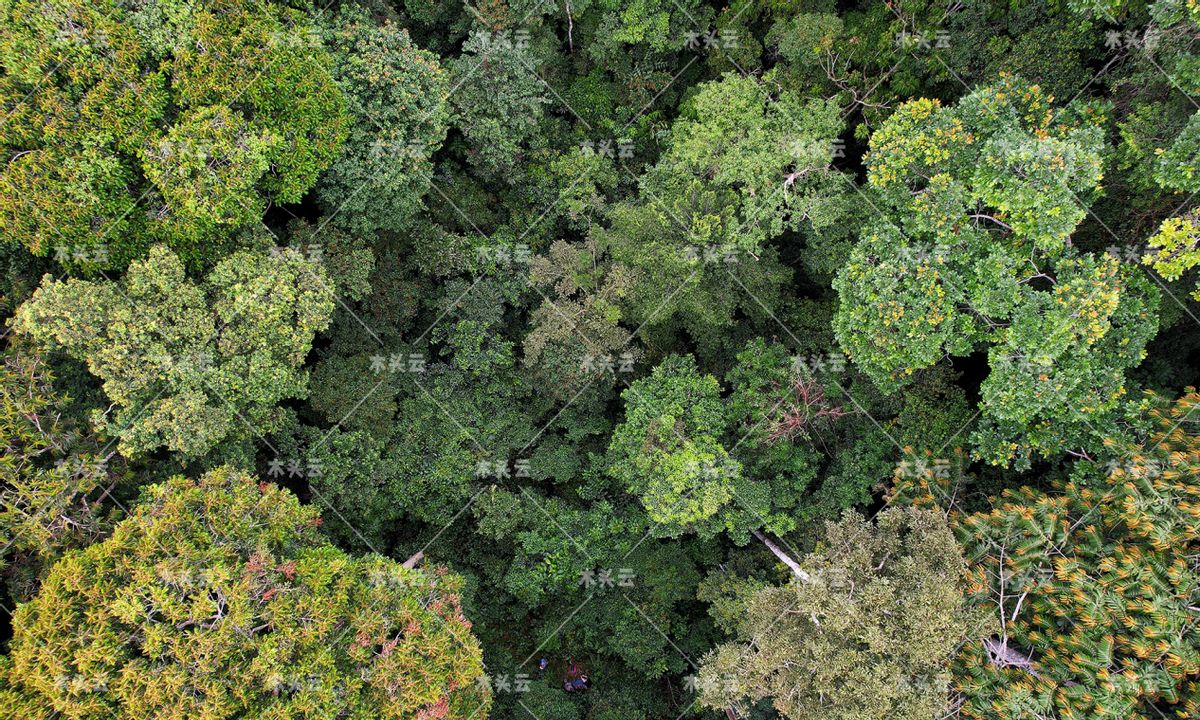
<point>972,251</point>
<point>177,122</point>
<point>218,598</point>
<point>51,474</point>
<point>1094,583</point>
<point>189,365</point>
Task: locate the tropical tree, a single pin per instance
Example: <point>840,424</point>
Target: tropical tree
<point>218,598</point>
<point>188,365</point>
<point>51,474</point>
<point>396,97</point>
<point>1092,581</point>
<point>973,251</point>
<point>866,629</point>
<point>129,125</point>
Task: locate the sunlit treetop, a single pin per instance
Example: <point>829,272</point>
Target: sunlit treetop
<point>179,122</point>
<point>219,598</point>
<point>971,249</point>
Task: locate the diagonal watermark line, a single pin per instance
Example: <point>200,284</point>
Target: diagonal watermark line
<point>558,629</point>
<point>660,632</point>
<point>528,496</point>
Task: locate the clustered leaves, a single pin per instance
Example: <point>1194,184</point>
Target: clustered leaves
<point>218,597</point>
<point>188,365</point>
<point>135,125</point>
<point>866,633</point>
<point>973,251</point>
<point>419,358</point>
<point>1092,583</point>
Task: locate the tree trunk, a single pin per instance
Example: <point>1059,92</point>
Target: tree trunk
<point>783,557</point>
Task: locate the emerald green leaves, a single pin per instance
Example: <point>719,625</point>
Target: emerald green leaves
<point>668,451</point>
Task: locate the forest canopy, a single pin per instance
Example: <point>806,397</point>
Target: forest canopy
<point>599,360</point>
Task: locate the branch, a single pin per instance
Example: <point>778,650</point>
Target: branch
<point>570,27</point>
<point>982,216</point>
<point>412,561</point>
<point>783,557</point>
<point>1000,654</point>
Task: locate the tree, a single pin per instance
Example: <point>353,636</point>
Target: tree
<point>357,392</point>
<point>776,452</point>
<point>170,108</point>
<point>345,477</point>
<point>1159,127</point>
<point>669,452</point>
<point>773,154</point>
<point>348,259</point>
<point>741,165</point>
<point>868,633</point>
<point>396,96</point>
<point>687,282</point>
<point>564,553</point>
<point>50,474</point>
<point>499,100</point>
<point>1174,248</point>
<point>188,365</point>
<point>217,598</point>
<point>782,420</point>
<point>974,251</point>
<point>1093,580</point>
<point>576,329</point>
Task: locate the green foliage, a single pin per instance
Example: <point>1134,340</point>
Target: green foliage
<point>499,100</point>
<point>1173,249</point>
<point>733,139</point>
<point>1061,369</point>
<point>668,450</point>
<point>207,166</point>
<point>217,598</point>
<point>131,125</point>
<point>577,326</point>
<point>395,95</point>
<point>49,473</point>
<point>869,632</point>
<point>348,260</point>
<point>779,414</point>
<point>597,563</point>
<point>357,392</point>
<point>188,365</point>
<point>974,251</point>
<point>1093,581</point>
<point>563,295</point>
<point>706,463</point>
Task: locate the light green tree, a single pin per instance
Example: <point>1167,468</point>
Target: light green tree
<point>973,251</point>
<point>866,630</point>
<point>669,452</point>
<point>188,365</point>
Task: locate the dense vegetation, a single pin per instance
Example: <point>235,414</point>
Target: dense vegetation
<point>417,358</point>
